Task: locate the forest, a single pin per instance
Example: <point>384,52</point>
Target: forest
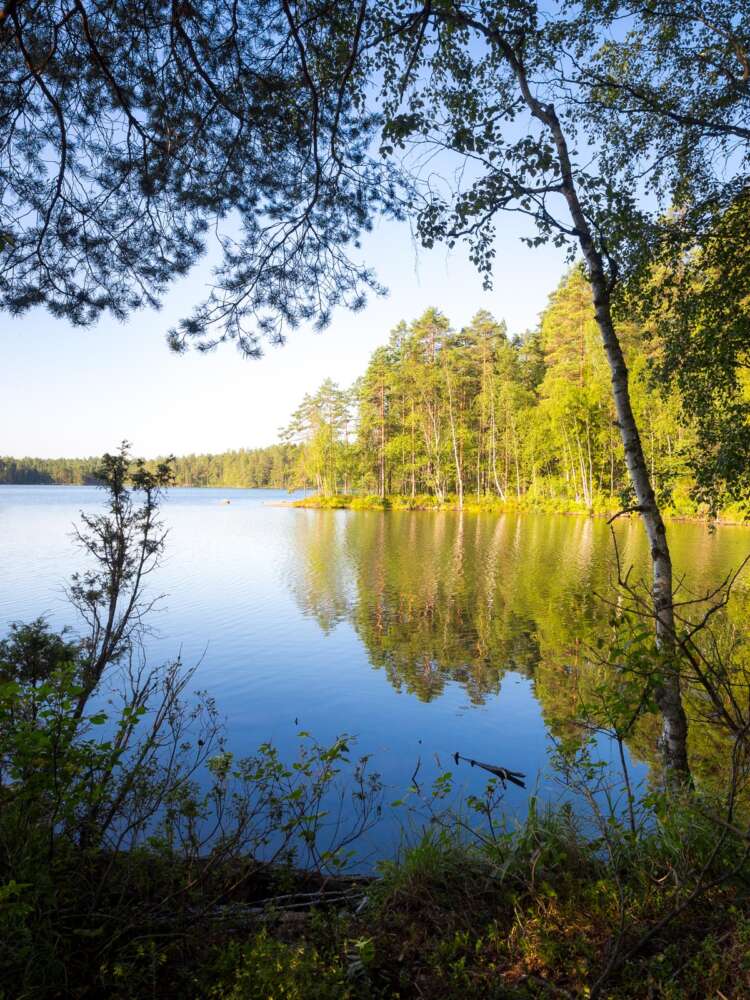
<point>249,467</point>
<point>446,416</point>
<point>452,413</point>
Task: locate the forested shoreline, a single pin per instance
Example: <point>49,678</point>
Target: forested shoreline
<point>455,417</point>
<point>255,468</point>
<point>446,417</point>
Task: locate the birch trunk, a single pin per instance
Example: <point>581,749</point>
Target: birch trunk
<point>456,456</point>
<point>493,445</point>
<point>668,696</point>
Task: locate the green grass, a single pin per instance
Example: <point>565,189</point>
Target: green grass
<point>539,912</point>
<point>472,504</point>
<point>682,508</point>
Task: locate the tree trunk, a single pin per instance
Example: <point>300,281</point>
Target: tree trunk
<point>668,696</point>
<point>456,456</point>
<point>413,455</point>
<point>382,440</point>
<point>493,445</point>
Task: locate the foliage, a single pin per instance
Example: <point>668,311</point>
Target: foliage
<point>539,912</point>
<point>267,967</point>
<point>47,471</point>
<point>472,419</point>
<point>117,829</point>
<point>541,909</point>
<point>700,315</point>
<point>131,131</point>
<point>319,430</point>
<point>172,125</point>
<point>249,467</point>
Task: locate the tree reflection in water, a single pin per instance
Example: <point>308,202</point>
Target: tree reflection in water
<point>448,598</point>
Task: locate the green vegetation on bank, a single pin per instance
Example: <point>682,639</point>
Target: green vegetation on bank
<point>539,912</point>
<point>488,504</point>
<point>145,905</point>
<point>481,503</point>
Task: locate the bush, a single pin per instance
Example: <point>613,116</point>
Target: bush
<point>266,968</point>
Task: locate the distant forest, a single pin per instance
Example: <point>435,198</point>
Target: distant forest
<point>250,467</point>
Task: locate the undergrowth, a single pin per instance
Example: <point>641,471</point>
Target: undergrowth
<point>542,911</point>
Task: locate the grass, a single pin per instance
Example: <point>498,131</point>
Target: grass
<point>426,501</point>
<point>681,509</point>
<point>542,912</point>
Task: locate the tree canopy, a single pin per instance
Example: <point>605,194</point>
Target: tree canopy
<point>443,412</point>
<point>130,131</point>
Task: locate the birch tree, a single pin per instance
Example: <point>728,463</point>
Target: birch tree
<point>486,81</point>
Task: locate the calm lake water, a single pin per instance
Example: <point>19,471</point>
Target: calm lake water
<point>421,633</point>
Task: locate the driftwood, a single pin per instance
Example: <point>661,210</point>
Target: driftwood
<point>515,777</point>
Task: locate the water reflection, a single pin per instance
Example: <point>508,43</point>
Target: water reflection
<point>444,598</point>
<point>439,598</point>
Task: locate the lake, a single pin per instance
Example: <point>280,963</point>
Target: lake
<point>421,633</point>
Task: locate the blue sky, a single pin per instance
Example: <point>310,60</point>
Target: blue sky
<point>73,392</point>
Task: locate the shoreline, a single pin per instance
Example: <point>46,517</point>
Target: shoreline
<point>429,505</point>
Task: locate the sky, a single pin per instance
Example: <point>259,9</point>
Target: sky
<point>72,392</point>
